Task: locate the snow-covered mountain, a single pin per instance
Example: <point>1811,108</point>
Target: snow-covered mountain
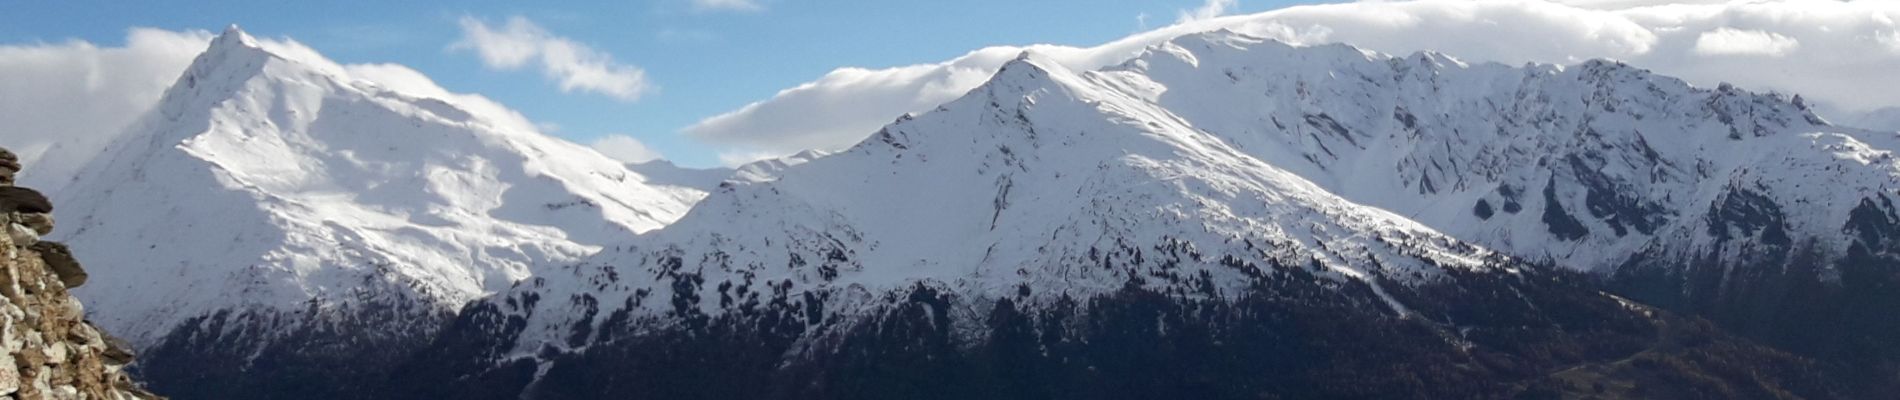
<point>1020,184</point>
<point>1742,207</point>
<point>1217,170</point>
<point>1580,166</point>
<point>265,196</point>
<point>1292,221</point>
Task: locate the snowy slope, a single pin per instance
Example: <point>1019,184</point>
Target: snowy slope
<point>1043,181</point>
<point>269,185</point>
<point>1744,208</point>
<point>1246,152</point>
<point>1580,165</point>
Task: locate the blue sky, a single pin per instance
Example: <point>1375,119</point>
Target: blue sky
<point>702,61</point>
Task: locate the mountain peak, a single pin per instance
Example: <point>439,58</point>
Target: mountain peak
<point>1030,72</point>
<point>232,41</point>
<point>263,149</point>
<point>1032,58</point>
<point>229,60</point>
<point>234,36</point>
<point>1028,65</point>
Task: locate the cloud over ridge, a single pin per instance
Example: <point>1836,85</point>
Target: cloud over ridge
<point>625,149</point>
<point>1728,41</point>
<point>64,101</point>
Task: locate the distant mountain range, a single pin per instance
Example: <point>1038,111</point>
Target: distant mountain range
<point>1221,216</point>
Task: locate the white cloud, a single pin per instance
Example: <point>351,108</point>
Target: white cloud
<point>1727,41</point>
<point>727,5</point>
<point>855,99</point>
<point>573,66</point>
<point>1891,40</point>
<point>61,103</point>
<point>1832,53</point>
<point>1883,119</point>
<point>1628,4</point>
<point>625,148</point>
<point>1210,9</point>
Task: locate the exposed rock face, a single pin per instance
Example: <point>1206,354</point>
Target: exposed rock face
<point>51,351</point>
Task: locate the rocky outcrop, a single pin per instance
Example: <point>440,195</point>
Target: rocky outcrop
<point>9,166</point>
<point>51,352</point>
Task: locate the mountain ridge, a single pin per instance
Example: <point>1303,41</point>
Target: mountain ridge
<point>1302,221</point>
<point>1048,196</point>
<point>1625,146</point>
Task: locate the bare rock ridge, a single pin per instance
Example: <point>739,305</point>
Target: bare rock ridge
<point>52,352</point>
